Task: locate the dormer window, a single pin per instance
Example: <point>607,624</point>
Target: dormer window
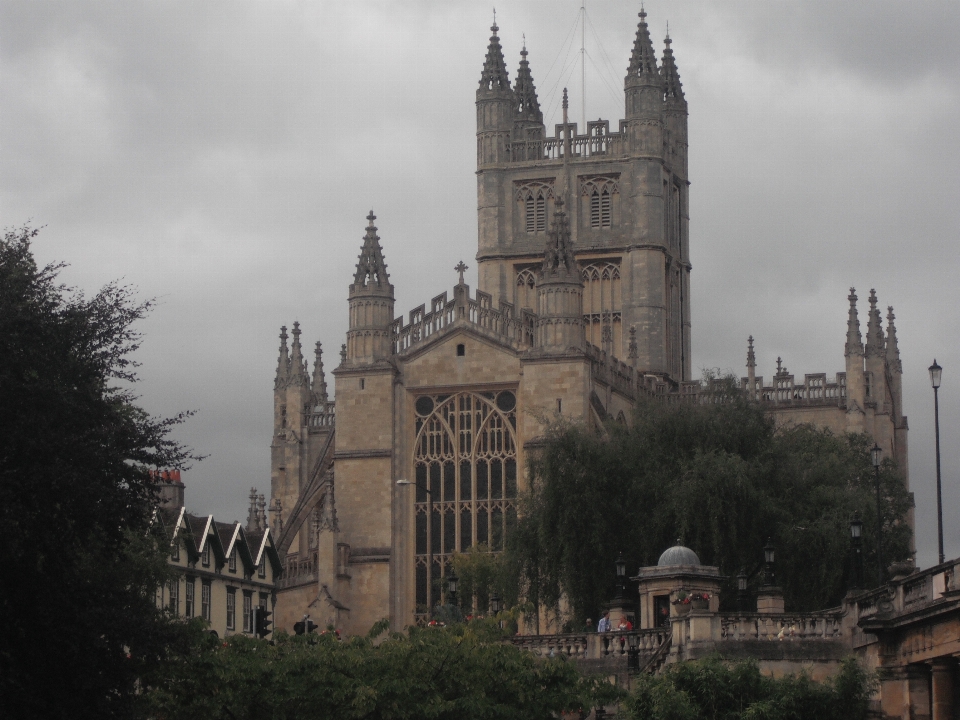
<point>232,562</point>
<point>175,551</point>
<point>205,555</point>
<point>262,567</point>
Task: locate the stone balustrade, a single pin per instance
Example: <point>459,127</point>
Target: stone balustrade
<point>598,141</point>
<point>595,646</point>
<point>298,570</point>
<point>792,626</point>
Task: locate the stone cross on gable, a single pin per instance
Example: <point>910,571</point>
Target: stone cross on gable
<point>460,268</point>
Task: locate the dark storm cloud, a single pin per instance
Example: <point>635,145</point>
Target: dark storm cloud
<point>223,157</point>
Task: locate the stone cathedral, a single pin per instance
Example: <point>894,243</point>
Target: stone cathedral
<point>583,306</point>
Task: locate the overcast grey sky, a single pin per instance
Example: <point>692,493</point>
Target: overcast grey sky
<point>222,157</point>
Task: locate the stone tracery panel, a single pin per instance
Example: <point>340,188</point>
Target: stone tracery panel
<point>602,303</point>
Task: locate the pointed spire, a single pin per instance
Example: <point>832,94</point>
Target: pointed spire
<point>874,329</point>
<point>319,385</point>
<point>643,59</point>
<point>558,259</point>
<point>371,269</point>
<point>494,75</point>
<point>672,87</point>
<point>283,363</point>
<point>893,350</point>
<point>252,516</point>
<point>525,92</point>
<point>751,356</point>
<point>298,366</point>
<point>854,344</point>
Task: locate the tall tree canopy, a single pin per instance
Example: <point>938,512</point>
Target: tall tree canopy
<point>463,671</point>
<point>720,477</point>
<point>78,606</point>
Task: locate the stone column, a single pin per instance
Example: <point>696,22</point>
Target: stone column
<point>944,670</point>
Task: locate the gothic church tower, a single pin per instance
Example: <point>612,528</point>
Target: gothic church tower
<point>626,199</point>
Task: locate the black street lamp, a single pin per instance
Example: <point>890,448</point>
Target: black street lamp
<point>769,557</point>
<point>452,581</point>
<point>875,454</point>
<point>621,574</point>
<point>742,580</point>
<point>495,608</point>
<point>856,540</point>
<point>404,481</point>
<point>935,371</point>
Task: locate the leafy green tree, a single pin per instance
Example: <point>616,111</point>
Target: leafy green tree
<point>78,606</point>
<point>720,477</point>
<point>460,672</point>
<point>713,690</point>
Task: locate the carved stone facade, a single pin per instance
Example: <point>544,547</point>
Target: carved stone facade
<point>583,307</point>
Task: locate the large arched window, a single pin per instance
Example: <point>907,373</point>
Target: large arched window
<point>466,454</point>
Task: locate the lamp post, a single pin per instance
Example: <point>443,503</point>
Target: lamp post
<point>769,557</point>
<point>875,453</point>
<point>621,574</point>
<point>495,608</point>
<point>935,371</point>
<point>404,481</point>
<point>856,540</point>
<point>452,581</point>
<point>742,590</point>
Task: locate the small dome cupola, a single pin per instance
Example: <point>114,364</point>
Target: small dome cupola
<point>678,555</point>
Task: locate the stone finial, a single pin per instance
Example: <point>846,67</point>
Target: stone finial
<point>672,87</point>
<point>371,268</point>
<point>343,354</point>
<point>558,259</point>
<point>854,346</point>
<point>643,59</point>
<point>277,510</point>
<point>461,268</point>
<point>525,92</point>
<point>261,513</point>
<point>252,515</point>
<point>319,386</point>
<point>494,75</point>
<point>751,356</point>
<point>283,363</point>
<point>327,517</point>
<point>874,347</point>
<point>892,349</point>
<point>298,366</point>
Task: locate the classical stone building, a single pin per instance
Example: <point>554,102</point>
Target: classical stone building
<point>583,307</point>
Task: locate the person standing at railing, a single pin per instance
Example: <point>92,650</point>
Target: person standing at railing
<point>604,625</point>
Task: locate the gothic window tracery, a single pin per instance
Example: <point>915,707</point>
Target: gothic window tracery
<point>597,194</point>
<point>465,454</point>
<point>602,303</point>
<point>533,196</point>
<point>526,296</point>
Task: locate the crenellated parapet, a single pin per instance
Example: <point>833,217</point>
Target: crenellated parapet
<point>504,323</point>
